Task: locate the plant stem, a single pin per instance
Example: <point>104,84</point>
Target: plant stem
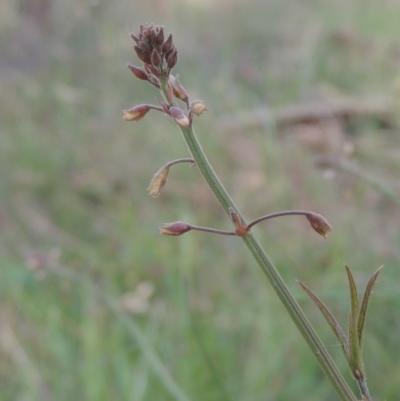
<point>293,308</point>
<point>268,268</point>
<point>177,161</point>
<point>212,230</point>
<point>279,214</point>
<point>362,384</point>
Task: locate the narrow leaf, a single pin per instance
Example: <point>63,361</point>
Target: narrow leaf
<point>355,350</point>
<point>353,296</point>
<point>331,321</point>
<point>364,305</point>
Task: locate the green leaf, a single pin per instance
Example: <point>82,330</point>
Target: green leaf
<point>331,321</point>
<point>355,349</point>
<point>364,305</point>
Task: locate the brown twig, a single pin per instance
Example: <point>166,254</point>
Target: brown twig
<point>381,109</point>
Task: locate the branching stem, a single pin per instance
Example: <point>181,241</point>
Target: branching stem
<point>279,214</point>
<point>279,286</point>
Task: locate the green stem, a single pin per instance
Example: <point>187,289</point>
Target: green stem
<point>279,214</point>
<point>362,384</point>
<point>271,272</point>
<point>293,308</point>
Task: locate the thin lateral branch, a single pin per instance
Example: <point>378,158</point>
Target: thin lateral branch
<point>157,108</point>
<point>183,160</point>
<point>279,214</point>
<point>212,230</point>
<point>317,221</point>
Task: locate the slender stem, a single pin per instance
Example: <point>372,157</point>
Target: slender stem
<point>183,160</point>
<point>362,384</point>
<point>293,308</point>
<point>151,106</point>
<point>279,214</point>
<point>212,230</point>
<point>271,272</point>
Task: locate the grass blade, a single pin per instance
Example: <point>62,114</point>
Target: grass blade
<point>331,321</point>
<point>364,306</point>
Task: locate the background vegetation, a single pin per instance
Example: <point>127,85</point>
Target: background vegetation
<point>91,295</point>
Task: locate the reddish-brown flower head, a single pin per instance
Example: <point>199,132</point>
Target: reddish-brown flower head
<point>157,55</point>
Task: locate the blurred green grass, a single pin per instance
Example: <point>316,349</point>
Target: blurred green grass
<point>79,234</point>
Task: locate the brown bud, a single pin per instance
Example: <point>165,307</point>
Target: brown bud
<point>179,116</point>
<point>175,229</point>
<point>155,58</point>
<point>144,46</point>
<point>136,38</point>
<point>158,181</point>
<point>138,72</point>
<point>152,36</point>
<point>240,228</point>
<point>172,58</point>
<point>151,70</point>
<point>170,93</point>
<point>136,113</point>
<point>166,47</point>
<point>160,36</point>
<point>177,87</point>
<point>319,224</point>
<point>197,107</point>
<point>142,55</point>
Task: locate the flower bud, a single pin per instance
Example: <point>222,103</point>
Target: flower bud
<point>177,87</point>
<point>319,224</point>
<point>136,38</point>
<point>241,230</point>
<point>155,58</point>
<point>166,47</point>
<point>160,36</point>
<point>179,116</point>
<point>197,107</point>
<point>143,55</point>
<point>138,72</point>
<point>158,181</point>
<point>171,58</point>
<point>175,229</point>
<point>136,113</point>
